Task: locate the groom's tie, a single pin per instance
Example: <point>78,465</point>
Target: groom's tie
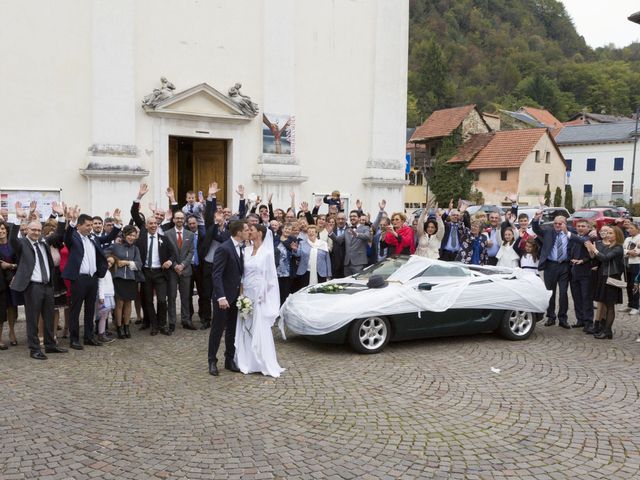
<point>241,258</point>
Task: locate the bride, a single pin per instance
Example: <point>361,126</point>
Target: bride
<point>255,349</point>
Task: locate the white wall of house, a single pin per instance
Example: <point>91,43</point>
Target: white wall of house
<point>75,72</point>
<point>601,180</point>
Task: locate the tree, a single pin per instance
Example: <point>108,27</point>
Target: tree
<point>557,198</point>
<point>568,198</point>
<point>547,196</point>
<point>449,180</point>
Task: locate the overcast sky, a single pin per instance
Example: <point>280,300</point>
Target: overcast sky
<point>601,22</point>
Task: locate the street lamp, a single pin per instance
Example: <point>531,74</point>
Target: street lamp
<point>635,18</point>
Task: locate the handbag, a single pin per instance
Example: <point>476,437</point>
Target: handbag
<point>614,282</point>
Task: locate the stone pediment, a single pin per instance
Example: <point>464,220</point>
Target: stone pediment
<point>198,103</point>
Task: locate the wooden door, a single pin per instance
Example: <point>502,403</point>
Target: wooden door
<point>210,164</point>
<point>173,166</point>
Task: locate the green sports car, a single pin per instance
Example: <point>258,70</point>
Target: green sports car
<point>413,297</point>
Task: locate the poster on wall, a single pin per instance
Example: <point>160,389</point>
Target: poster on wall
<point>278,134</point>
<point>43,198</point>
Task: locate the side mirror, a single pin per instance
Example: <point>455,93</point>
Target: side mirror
<point>425,286</point>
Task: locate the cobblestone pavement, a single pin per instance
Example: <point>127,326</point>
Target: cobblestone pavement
<point>563,406</point>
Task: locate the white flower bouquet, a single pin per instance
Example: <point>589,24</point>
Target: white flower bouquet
<point>245,306</point>
<point>327,288</point>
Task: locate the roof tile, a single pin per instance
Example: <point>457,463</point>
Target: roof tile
<point>442,123</point>
<point>507,149</point>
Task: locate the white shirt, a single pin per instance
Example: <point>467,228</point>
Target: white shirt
<point>36,276</point>
<point>155,253</point>
<point>88,265</point>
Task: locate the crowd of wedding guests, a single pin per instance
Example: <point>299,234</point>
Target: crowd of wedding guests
<point>74,263</point>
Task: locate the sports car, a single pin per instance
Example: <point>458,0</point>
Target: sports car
<point>414,297</point>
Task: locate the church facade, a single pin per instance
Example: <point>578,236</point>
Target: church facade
<point>280,96</point>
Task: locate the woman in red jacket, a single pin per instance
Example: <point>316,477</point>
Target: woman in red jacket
<point>399,236</point>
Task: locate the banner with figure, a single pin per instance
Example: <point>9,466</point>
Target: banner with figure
<point>278,134</point>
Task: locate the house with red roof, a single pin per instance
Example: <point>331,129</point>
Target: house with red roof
<point>513,161</point>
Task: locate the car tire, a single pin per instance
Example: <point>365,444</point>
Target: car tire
<point>517,325</point>
<point>369,335</point>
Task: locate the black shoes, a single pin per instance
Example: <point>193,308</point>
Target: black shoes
<point>231,365</point>
<point>166,331</point>
<point>604,335</point>
<point>127,332</point>
<point>93,342</point>
<point>213,369</point>
<point>55,349</point>
<point>578,325</point>
<point>144,327</point>
<point>549,323</point>
<point>205,324</point>
<point>138,322</point>
<point>154,331</point>
<point>120,333</point>
<point>564,324</point>
<point>105,340</point>
<point>38,355</point>
<point>188,326</point>
<point>76,346</point>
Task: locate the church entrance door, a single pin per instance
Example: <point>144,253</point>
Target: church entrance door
<point>194,163</point>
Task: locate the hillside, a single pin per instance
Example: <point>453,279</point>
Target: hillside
<point>509,53</point>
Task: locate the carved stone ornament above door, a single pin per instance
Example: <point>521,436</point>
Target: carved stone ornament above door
<point>199,103</point>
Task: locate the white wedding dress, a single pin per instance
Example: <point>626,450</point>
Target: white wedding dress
<point>255,349</point>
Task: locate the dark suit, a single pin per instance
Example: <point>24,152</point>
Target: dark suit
<point>580,282</point>
<point>227,277</point>
<point>212,233</point>
<point>84,287</point>
<point>38,297</point>
<point>155,279</point>
<point>556,274</point>
<point>451,255</point>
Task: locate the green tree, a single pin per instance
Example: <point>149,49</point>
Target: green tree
<point>413,113</point>
<point>557,198</point>
<point>568,198</point>
<point>449,180</point>
<point>547,196</point>
<point>429,83</point>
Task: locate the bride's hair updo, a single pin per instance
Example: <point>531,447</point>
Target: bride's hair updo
<point>262,229</point>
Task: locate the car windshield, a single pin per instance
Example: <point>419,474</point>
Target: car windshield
<point>384,268</point>
<point>584,214</point>
<point>450,270</point>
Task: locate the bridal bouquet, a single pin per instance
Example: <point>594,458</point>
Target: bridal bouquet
<point>245,306</point>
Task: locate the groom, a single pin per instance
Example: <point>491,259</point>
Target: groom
<point>228,266</point>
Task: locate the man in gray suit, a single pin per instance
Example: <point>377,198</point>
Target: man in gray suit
<point>355,241</point>
<point>179,277</point>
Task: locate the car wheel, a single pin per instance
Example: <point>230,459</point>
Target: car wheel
<point>369,335</point>
<point>517,325</point>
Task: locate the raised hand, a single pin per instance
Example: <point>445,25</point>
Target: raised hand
<point>318,202</point>
<point>240,191</point>
<point>541,201</point>
<point>200,197</point>
<point>57,208</point>
<point>382,204</point>
<point>269,198</point>
<point>153,206</point>
<point>213,189</point>
<point>451,204</point>
<point>171,195</point>
<point>218,218</point>
<point>258,200</point>
<point>117,216</point>
<point>32,206</point>
<point>20,213</point>
<point>538,215</point>
<point>142,191</point>
<point>168,215</point>
<point>513,197</point>
<point>463,206</point>
<point>107,214</point>
<point>304,206</point>
<point>292,194</point>
<point>358,204</point>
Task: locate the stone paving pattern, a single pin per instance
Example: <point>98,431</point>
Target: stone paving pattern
<point>564,406</point>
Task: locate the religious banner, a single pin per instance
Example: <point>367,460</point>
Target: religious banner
<point>278,134</point>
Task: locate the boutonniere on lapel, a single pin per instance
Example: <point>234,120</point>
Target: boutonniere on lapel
<point>159,241</point>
